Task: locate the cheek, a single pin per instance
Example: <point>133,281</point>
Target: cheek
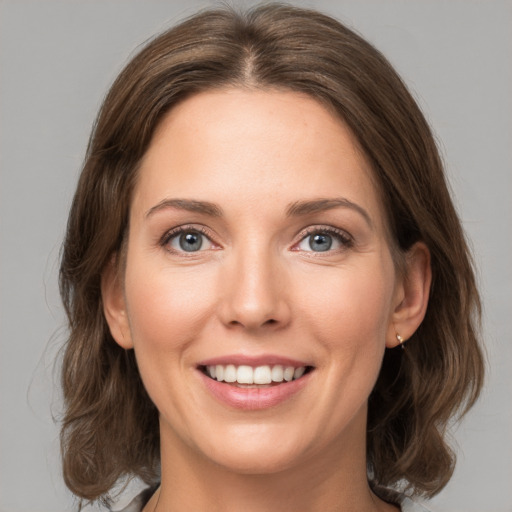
<point>165,298</point>
<point>350,315</point>
<point>167,311</point>
<point>350,305</point>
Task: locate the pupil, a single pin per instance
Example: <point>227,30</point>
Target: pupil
<point>190,242</point>
<point>320,242</point>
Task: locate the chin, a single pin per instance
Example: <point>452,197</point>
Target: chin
<point>257,462</point>
<point>256,451</point>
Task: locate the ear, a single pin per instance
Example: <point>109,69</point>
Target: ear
<point>411,297</point>
<point>114,304</point>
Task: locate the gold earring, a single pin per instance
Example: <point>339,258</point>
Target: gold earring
<point>401,341</point>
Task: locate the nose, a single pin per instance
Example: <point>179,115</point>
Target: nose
<point>254,292</point>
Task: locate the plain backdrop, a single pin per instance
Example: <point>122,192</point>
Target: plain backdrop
<point>57,59</point>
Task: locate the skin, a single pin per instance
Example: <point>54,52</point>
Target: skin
<point>256,287</point>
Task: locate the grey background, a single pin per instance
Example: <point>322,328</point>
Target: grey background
<point>57,59</point>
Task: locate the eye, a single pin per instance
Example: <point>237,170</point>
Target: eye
<point>324,240</point>
<point>187,240</point>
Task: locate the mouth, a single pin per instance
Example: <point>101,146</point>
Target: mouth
<point>246,376</point>
<point>254,382</point>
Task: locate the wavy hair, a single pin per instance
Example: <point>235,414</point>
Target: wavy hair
<point>110,426</point>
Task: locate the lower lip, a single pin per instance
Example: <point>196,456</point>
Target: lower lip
<point>254,398</point>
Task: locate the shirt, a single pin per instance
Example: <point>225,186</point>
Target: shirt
<point>138,503</point>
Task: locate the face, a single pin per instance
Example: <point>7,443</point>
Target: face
<point>259,291</point>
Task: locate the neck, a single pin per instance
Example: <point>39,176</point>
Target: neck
<point>331,481</point>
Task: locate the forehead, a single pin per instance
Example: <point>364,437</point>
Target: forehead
<point>237,145</point>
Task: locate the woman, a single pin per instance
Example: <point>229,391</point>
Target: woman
<point>261,222</point>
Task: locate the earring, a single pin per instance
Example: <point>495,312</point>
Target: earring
<point>401,341</point>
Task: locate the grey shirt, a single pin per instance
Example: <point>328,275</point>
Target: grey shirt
<point>138,503</point>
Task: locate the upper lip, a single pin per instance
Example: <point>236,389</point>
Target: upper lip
<point>254,361</point>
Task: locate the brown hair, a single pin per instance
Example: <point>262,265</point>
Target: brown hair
<point>110,427</point>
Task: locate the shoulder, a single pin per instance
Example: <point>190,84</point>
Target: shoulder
<point>125,502</point>
<point>140,500</point>
<point>410,505</point>
<point>137,503</point>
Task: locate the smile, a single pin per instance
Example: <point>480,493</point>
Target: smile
<point>247,383</point>
<point>245,375</point>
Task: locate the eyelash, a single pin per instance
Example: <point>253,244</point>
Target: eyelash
<point>174,232</point>
<point>341,236</point>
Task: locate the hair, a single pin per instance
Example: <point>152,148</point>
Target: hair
<point>110,426</point>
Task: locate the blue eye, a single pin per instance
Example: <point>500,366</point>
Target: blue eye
<point>320,242</point>
<point>323,241</point>
<point>188,241</point>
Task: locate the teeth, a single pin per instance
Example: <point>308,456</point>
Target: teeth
<point>244,375</point>
<point>260,375</point>
<point>230,373</point>
<point>288,373</point>
<point>299,372</point>
<point>277,373</point>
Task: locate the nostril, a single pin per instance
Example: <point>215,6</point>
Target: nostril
<point>268,322</point>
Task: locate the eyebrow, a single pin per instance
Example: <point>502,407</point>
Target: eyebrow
<point>190,205</point>
<point>299,208</point>
<point>296,209</point>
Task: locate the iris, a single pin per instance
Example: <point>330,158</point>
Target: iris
<point>320,242</point>
<point>191,241</point>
